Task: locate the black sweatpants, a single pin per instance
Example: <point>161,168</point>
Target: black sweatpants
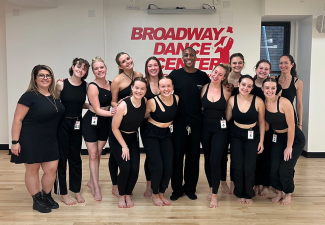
<point>263,161</point>
<point>185,144</point>
<point>159,151</point>
<point>129,170</point>
<point>214,139</point>
<point>243,157</point>
<point>282,172</point>
<point>70,142</point>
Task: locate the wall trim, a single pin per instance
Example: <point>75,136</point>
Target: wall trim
<point>4,146</point>
<point>313,154</point>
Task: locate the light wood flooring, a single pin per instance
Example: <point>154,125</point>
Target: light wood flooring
<point>308,206</point>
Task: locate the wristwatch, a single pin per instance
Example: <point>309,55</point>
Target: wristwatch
<point>14,142</point>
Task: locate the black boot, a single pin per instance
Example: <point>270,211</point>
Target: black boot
<point>39,204</point>
<point>49,200</point>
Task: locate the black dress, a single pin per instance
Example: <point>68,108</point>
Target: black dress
<point>38,135</point>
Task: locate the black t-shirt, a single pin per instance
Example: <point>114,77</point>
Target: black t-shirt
<point>188,87</point>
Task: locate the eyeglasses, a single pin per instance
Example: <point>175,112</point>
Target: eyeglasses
<point>43,76</point>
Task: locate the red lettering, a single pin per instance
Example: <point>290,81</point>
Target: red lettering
<point>162,60</point>
<point>180,48</point>
<point>197,45</point>
<point>204,63</point>
<point>170,34</point>
<point>170,63</point>
<point>217,33</point>
<point>195,33</point>
<point>170,49</point>
<point>205,49</point>
<point>179,63</point>
<point>159,48</point>
<point>148,31</point>
<point>229,30</point>
<point>207,34</point>
<point>136,33</point>
<point>163,33</point>
<point>179,35</point>
<point>213,63</point>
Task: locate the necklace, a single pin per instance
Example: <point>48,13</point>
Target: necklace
<point>54,104</point>
<point>128,75</point>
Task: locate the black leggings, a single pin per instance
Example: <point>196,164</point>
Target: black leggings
<point>263,161</point>
<point>282,172</point>
<point>243,158</point>
<point>129,170</point>
<point>112,164</point>
<point>214,139</point>
<point>159,151</point>
<point>69,141</point>
<point>224,159</point>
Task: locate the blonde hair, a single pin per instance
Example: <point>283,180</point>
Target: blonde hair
<point>33,85</point>
<point>226,67</point>
<point>95,60</point>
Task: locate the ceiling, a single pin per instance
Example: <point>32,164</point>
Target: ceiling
<point>36,3</point>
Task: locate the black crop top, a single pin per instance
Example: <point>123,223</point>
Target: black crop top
<point>248,117</point>
<point>276,119</point>
<point>164,117</point>
<point>149,94</point>
<point>134,116</point>
<point>73,98</point>
<point>104,96</point>
<point>214,110</point>
<point>290,92</point>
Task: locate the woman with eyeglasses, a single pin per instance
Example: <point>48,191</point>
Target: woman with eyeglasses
<point>72,93</point>
<point>34,136</point>
<point>97,122</point>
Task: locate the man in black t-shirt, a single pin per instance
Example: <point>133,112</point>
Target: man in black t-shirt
<point>187,82</point>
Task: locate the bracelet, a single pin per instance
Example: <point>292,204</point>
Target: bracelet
<point>124,146</point>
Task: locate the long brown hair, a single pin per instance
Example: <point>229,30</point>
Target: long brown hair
<point>33,85</point>
<point>160,74</point>
<point>117,60</point>
<point>226,67</point>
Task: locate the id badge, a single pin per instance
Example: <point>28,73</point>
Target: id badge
<point>171,128</point>
<point>250,134</point>
<point>94,120</point>
<point>274,138</point>
<point>223,124</point>
<point>77,125</point>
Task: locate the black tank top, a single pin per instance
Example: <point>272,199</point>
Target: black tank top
<point>104,96</point>
<point>214,110</point>
<point>290,92</point>
<point>276,119</point>
<point>73,98</point>
<point>134,116</point>
<point>164,117</point>
<point>126,91</point>
<point>149,94</point>
<point>248,117</point>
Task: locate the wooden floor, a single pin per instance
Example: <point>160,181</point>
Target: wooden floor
<point>308,206</point>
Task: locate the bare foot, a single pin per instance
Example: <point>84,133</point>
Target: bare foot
<point>164,200</point>
<point>248,201</point>
<point>257,190</point>
<point>121,202</point>
<point>91,186</point>
<point>156,200</point>
<point>224,187</point>
<point>115,191</point>
<point>79,198</point>
<point>241,200</point>
<point>286,200</point>
<point>265,191</point>
<point>214,201</point>
<point>128,201</point>
<point>232,187</point>
<point>148,192</point>
<point>98,195</point>
<point>208,198</point>
<point>277,198</point>
<point>67,200</point>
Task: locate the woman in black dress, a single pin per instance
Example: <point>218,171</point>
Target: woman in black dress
<point>72,93</point>
<point>34,136</point>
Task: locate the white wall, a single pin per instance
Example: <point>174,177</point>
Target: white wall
<point>3,77</point>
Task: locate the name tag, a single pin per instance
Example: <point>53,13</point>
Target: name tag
<point>77,125</point>
<point>274,138</point>
<point>94,120</point>
<point>223,124</point>
<point>171,128</point>
<point>251,134</point>
<point>199,86</point>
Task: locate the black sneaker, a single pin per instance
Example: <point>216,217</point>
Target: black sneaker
<point>47,198</point>
<point>39,204</point>
<point>191,195</point>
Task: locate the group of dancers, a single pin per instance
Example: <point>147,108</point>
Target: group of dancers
<point>174,114</point>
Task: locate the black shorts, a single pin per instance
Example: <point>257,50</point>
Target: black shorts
<point>93,133</point>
